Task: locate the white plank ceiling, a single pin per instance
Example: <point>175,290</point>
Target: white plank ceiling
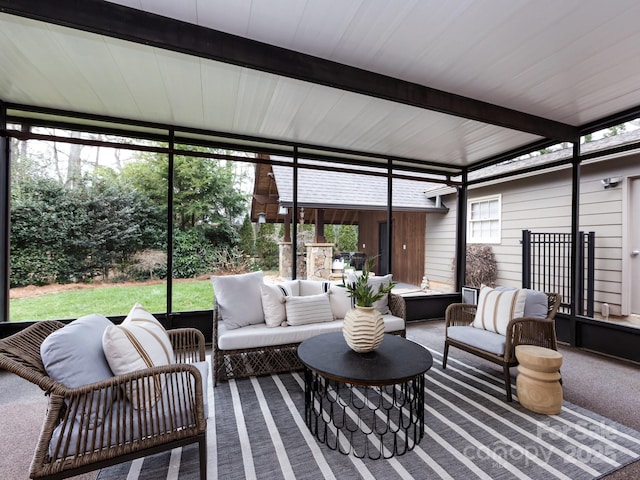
<point>574,61</point>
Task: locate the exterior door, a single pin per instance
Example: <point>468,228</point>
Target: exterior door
<point>634,245</point>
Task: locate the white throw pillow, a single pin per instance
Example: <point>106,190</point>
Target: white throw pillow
<point>313,287</point>
<point>375,282</point>
<point>381,305</point>
<point>239,299</point>
<point>340,301</point>
<point>273,300</point>
<point>496,308</point>
<point>308,309</point>
<point>139,342</point>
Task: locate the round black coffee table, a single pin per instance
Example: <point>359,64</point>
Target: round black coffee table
<point>369,404</point>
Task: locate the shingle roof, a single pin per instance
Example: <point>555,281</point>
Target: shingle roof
<point>329,189</point>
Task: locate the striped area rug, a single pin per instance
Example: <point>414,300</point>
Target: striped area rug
<point>258,431</point>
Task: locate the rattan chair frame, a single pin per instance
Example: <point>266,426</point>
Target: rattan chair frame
<point>164,425</point>
<point>246,362</point>
<point>520,331</point>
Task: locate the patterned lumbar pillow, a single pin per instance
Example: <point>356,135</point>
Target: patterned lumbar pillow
<point>139,342</point>
<point>308,309</point>
<point>496,308</point>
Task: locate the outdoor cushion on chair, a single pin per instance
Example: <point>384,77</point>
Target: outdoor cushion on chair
<point>503,319</point>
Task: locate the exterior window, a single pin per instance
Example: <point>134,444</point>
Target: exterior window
<point>483,225</point>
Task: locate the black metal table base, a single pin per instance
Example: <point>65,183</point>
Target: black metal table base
<point>366,421</point>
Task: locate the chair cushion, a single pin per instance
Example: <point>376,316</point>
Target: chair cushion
<point>123,412</point>
<point>477,337</point>
<point>536,305</point>
<point>239,298</point>
<point>73,356</point>
<point>308,309</point>
<point>273,300</point>
<point>496,308</point>
<point>257,336</point>
<point>139,342</point>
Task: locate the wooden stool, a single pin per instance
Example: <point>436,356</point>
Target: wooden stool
<point>538,380</point>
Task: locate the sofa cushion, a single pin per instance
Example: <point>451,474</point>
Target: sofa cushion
<point>496,308</point>
<point>273,300</point>
<point>239,299</point>
<point>479,338</point>
<point>308,309</point>
<point>536,305</point>
<point>73,356</point>
<point>376,282</point>
<point>340,301</point>
<point>381,305</point>
<point>139,342</point>
<point>313,287</point>
<point>256,336</point>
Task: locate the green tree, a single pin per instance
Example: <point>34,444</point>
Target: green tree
<point>348,238</point>
<point>267,249</point>
<point>64,235</point>
<point>205,190</point>
<point>247,237</point>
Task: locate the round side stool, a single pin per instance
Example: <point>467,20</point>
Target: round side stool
<point>538,381</point>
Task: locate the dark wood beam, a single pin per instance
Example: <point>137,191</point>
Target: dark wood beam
<point>110,19</point>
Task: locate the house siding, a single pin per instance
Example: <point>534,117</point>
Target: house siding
<point>542,203</point>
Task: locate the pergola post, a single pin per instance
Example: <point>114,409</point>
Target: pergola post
<point>5,214</point>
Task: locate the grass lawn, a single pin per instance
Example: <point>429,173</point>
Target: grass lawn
<point>112,300</point>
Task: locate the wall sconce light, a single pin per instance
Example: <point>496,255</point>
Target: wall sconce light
<point>282,210</point>
<point>610,182</point>
<point>262,217</point>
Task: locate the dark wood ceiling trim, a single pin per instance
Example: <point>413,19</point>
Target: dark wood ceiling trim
<point>122,22</point>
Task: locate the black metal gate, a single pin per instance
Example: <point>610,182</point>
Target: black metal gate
<point>546,266</point>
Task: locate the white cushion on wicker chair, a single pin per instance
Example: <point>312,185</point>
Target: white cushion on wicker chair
<point>122,411</point>
<point>139,342</point>
<point>479,338</point>
<point>496,308</point>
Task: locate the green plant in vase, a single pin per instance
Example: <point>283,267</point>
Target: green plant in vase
<point>361,291</point>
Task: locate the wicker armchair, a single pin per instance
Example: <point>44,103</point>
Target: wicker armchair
<point>176,418</point>
<point>520,331</point>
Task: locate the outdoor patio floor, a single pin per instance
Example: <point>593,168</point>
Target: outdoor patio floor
<point>604,385</point>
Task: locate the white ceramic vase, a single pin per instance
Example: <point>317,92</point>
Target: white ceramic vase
<point>363,329</point>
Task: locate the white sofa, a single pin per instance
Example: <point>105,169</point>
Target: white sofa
<point>257,326</point>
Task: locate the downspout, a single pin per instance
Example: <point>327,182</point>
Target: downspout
<point>461,233</point>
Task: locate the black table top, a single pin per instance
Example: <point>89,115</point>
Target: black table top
<point>396,360</point>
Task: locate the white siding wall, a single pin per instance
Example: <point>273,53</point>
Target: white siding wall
<point>542,203</point>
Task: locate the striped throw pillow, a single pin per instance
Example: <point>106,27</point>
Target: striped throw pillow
<point>139,342</point>
<point>308,309</point>
<point>496,308</point>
